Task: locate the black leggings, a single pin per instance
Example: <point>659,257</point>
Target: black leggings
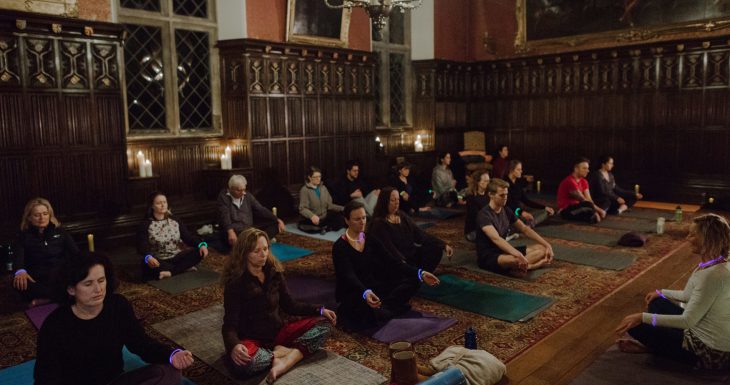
<point>175,265</point>
<point>333,221</point>
<point>158,374</point>
<point>663,341</point>
<point>583,211</point>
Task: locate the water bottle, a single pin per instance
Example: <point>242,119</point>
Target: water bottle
<point>9,262</point>
<point>678,214</point>
<point>660,225</point>
<point>470,338</point>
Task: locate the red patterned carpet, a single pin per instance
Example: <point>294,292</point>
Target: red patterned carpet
<point>574,288</point>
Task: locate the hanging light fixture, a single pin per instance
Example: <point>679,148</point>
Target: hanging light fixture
<point>378,10</point>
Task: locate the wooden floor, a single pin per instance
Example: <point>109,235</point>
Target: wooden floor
<point>568,351</point>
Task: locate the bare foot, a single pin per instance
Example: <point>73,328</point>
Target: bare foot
<point>622,208</point>
<point>165,274</point>
<point>283,364</point>
<point>281,351</point>
<point>629,345</point>
<point>194,268</point>
<point>538,264</point>
<point>39,302</point>
<point>425,208</point>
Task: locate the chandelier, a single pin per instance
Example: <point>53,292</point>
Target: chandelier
<point>378,10</point>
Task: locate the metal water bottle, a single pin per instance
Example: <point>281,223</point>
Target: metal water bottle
<point>678,214</point>
<point>470,338</point>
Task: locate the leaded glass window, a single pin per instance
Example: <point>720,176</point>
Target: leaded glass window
<point>193,79</point>
<point>145,77</point>
<point>197,8</point>
<point>397,89</point>
<point>145,5</point>
<point>392,79</point>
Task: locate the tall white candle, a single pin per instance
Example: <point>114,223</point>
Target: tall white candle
<point>147,168</point>
<point>140,163</point>
<point>224,163</point>
<point>229,159</point>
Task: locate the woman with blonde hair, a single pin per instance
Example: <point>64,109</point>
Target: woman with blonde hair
<point>255,296</point>
<point>699,332</point>
<point>476,198</point>
<point>40,250</point>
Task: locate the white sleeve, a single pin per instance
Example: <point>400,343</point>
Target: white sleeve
<point>705,291</point>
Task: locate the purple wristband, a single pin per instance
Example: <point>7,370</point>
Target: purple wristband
<point>420,275</point>
<point>20,271</point>
<point>147,258</point>
<point>365,294</point>
<point>173,353</point>
<point>661,294</point>
<point>653,320</point>
<point>321,311</point>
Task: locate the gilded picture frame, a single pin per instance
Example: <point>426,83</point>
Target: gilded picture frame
<point>627,25</point>
<point>312,22</point>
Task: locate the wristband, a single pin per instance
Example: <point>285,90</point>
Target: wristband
<point>365,294</point>
<point>147,258</point>
<point>517,212</point>
<point>201,244</point>
<point>173,353</point>
<point>402,192</point>
<point>653,320</point>
<point>661,294</point>
<point>20,271</point>
<point>420,275</point>
<point>321,311</point>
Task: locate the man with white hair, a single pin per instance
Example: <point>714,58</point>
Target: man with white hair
<point>240,210</point>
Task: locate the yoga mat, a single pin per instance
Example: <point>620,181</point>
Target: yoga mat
<point>38,314</point>
<point>440,213</point>
<point>22,374</point>
<point>287,252</point>
<point>653,214</point>
<point>604,259</point>
<point>640,225</point>
<point>413,326</point>
<point>425,225</point>
<point>491,301</point>
<point>312,290</point>
<point>468,260</point>
<point>576,234</point>
<point>200,332</point>
<point>331,236</point>
<point>188,280</point>
<point>616,367</point>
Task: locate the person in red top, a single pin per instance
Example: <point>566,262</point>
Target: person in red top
<point>574,197</point>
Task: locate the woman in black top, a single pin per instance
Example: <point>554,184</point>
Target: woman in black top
<point>410,201</point>
<point>40,250</point>
<point>372,285</point>
<point>606,193</point>
<point>81,342</point>
<point>159,240</point>
<point>518,201</point>
<point>401,237</point>
<point>476,198</point>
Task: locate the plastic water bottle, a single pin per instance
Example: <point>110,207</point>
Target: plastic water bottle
<point>678,214</point>
<point>660,225</point>
<point>470,338</point>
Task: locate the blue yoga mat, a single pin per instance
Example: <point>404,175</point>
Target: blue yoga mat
<point>287,252</point>
<point>22,374</point>
<point>328,236</point>
<point>491,301</point>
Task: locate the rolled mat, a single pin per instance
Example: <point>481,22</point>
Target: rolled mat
<point>22,374</point>
<point>200,332</point>
<point>491,301</point>
<point>188,280</point>
<point>285,253</point>
<point>331,236</point>
<point>616,367</point>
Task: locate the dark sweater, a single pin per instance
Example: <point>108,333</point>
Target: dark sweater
<point>77,352</point>
<point>342,189</point>
<point>358,271</point>
<point>400,239</point>
<point>240,218</point>
<point>517,197</point>
<point>255,311</point>
<point>605,190</point>
<point>42,253</point>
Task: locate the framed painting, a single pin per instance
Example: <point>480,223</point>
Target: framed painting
<point>312,22</point>
<point>545,23</point>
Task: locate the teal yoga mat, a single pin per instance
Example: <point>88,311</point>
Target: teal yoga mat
<point>287,252</point>
<point>577,234</point>
<point>22,374</point>
<point>468,260</point>
<point>632,224</point>
<point>331,236</point>
<point>188,280</point>
<point>651,214</point>
<point>491,301</point>
<point>611,260</point>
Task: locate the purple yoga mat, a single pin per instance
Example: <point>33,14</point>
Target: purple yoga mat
<point>38,314</point>
<point>412,327</point>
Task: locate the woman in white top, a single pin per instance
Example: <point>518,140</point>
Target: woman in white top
<point>699,334</point>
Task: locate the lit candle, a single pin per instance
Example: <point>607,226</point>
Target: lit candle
<point>90,238</point>
<point>224,163</point>
<point>229,159</point>
<point>377,139</point>
<point>273,210</point>
<point>539,184</point>
<point>636,188</point>
<point>147,168</point>
<point>711,200</point>
<point>140,163</point>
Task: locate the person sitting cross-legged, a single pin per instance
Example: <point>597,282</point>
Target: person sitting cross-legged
<point>494,253</point>
<point>352,187</point>
<point>574,197</point>
<point>372,284</point>
<point>518,201</point>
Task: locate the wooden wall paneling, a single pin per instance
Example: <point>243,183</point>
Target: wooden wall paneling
<point>45,127</point>
<point>259,117</point>
<point>312,155</point>
<point>311,112</point>
<point>109,119</point>
<point>275,75</point>
<point>260,160</point>
<point>40,56</point>
<point>13,123</point>
<point>718,69</point>
<point>344,150</point>
<point>17,193</point>
<point>329,157</point>
<point>297,165</point>
<point>277,117</point>
<point>295,116</point>
<point>329,116</point>
<point>346,115</point>
<point>78,121</point>
<point>280,158</point>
